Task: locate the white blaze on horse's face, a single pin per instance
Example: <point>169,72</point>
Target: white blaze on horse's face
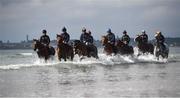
<point>33,45</point>
<point>103,39</point>
<point>58,38</point>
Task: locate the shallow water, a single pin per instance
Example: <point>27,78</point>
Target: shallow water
<point>22,74</point>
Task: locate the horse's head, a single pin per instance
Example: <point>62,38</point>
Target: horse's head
<point>59,39</point>
<point>104,40</point>
<point>120,43</point>
<point>138,39</point>
<point>76,43</point>
<point>35,44</point>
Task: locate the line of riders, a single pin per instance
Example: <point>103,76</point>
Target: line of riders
<point>85,46</point>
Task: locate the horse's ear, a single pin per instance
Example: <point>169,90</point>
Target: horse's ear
<point>34,39</point>
<point>57,35</point>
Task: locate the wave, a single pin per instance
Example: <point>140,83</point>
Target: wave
<point>25,54</point>
<point>103,60</point>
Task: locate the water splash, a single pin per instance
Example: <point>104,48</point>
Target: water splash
<point>103,60</point>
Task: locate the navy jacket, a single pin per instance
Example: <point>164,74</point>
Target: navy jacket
<point>45,39</point>
<point>111,38</point>
<point>66,37</point>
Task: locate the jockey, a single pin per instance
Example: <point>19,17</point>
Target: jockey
<point>111,37</point>
<point>160,39</point>
<point>65,35</point>
<point>125,38</point>
<point>44,39</point>
<point>144,37</point>
<point>84,36</point>
<point>90,38</point>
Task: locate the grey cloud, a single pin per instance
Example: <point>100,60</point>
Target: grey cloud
<point>22,17</point>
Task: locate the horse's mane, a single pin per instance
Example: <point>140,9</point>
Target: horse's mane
<point>36,40</point>
<point>77,41</point>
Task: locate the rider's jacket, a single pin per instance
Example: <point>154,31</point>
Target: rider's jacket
<point>125,38</point>
<point>84,37</point>
<point>45,39</point>
<point>160,39</point>
<point>90,39</point>
<point>111,38</point>
<point>144,38</point>
<point>66,37</point>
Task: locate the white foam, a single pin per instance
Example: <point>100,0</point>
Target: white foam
<point>25,54</point>
<point>103,59</point>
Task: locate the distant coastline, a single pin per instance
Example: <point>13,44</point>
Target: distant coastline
<point>172,42</point>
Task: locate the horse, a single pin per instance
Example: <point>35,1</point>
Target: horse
<point>119,48</point>
<point>43,51</point>
<point>82,50</point>
<point>161,51</point>
<point>124,49</point>
<point>144,47</point>
<point>109,49</point>
<point>64,51</point>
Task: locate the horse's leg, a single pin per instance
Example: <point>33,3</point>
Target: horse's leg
<point>59,57</point>
<point>72,55</point>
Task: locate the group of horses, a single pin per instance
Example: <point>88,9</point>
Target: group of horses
<point>67,51</point>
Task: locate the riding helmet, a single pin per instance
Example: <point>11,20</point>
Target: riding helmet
<point>44,31</point>
<point>64,29</point>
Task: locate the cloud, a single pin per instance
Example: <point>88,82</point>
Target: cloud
<point>22,17</point>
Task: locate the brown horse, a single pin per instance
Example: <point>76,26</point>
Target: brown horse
<point>85,50</point>
<point>64,51</point>
<point>109,49</point>
<point>119,48</point>
<point>43,51</point>
<point>144,47</point>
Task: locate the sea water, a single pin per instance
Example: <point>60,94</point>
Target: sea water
<point>23,74</point>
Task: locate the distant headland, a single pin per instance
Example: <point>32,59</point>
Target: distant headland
<point>172,42</point>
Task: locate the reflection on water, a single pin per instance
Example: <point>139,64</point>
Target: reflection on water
<point>108,81</point>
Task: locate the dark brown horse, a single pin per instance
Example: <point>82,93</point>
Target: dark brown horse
<point>64,51</point>
<point>43,51</point>
<point>109,49</point>
<point>85,50</point>
<point>119,48</point>
<point>124,49</point>
<point>144,47</point>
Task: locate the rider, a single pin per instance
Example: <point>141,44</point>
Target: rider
<point>160,39</point>
<point>90,37</point>
<point>144,37</point>
<point>125,38</point>
<point>65,35</point>
<point>111,37</point>
<point>84,36</point>
<point>44,39</point>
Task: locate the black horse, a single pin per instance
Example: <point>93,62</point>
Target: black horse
<point>161,50</point>
<point>82,49</point>
<point>43,51</point>
<point>144,47</point>
<point>124,49</point>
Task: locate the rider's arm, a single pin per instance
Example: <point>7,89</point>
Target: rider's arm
<point>41,38</point>
<point>68,37</point>
<point>49,39</point>
<point>81,38</point>
<point>113,38</point>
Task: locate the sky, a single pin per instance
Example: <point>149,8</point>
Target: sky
<point>19,18</point>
